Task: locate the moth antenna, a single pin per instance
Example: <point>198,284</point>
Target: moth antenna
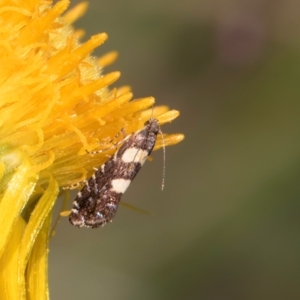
<point>164,161</point>
<point>164,154</point>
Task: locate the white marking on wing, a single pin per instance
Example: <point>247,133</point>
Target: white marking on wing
<point>120,185</point>
<point>134,155</point>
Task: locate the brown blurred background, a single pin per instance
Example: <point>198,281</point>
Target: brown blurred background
<point>227,225</point>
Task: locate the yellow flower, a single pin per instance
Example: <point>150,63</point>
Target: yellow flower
<point>55,107</point>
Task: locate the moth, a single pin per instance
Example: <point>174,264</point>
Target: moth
<point>97,203</point>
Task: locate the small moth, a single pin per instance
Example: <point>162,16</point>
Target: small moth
<point>97,202</point>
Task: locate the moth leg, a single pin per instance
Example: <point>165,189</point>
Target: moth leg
<point>114,144</point>
<point>75,185</point>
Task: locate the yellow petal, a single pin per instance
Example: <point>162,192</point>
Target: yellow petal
<point>17,192</point>
<point>37,269</point>
<point>10,285</point>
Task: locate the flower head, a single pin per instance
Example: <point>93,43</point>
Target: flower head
<point>55,108</point>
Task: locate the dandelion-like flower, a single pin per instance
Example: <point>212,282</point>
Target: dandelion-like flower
<point>55,108</point>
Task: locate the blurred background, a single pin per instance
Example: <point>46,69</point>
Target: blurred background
<point>227,225</point>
